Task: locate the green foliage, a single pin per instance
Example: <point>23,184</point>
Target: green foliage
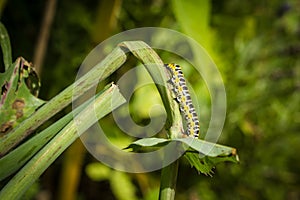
<point>18,96</point>
<point>263,102</point>
<point>19,88</point>
<point>256,46</point>
<point>201,154</point>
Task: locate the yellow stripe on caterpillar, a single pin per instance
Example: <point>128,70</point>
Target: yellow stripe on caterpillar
<point>183,97</point>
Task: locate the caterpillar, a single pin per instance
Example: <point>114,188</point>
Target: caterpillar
<point>183,97</point>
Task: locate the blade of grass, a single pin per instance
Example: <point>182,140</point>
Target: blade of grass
<point>42,160</point>
<point>111,63</point>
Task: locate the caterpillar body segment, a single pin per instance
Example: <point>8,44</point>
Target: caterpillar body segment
<point>184,99</point>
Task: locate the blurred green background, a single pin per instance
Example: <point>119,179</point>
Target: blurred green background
<point>256,46</point>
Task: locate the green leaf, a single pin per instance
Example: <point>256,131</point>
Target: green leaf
<point>203,165</point>
<point>149,142</point>
<point>206,164</point>
<point>208,148</point>
<point>18,99</point>
<point>201,154</point>
<point>201,146</point>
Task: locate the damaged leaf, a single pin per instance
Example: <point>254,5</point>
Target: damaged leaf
<point>19,91</point>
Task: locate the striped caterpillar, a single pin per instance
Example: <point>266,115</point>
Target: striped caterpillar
<point>183,97</point>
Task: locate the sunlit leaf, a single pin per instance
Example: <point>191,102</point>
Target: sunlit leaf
<point>201,154</point>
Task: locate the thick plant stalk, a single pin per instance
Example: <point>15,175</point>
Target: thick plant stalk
<point>168,181</point>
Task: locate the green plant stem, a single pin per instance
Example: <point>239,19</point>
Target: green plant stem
<point>154,66</point>
<point>43,159</point>
<point>168,181</point>
<point>102,70</point>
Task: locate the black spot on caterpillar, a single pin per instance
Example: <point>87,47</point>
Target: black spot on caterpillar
<point>183,97</point>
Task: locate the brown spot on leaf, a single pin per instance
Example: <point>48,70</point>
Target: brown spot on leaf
<point>18,105</point>
<point>5,127</point>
